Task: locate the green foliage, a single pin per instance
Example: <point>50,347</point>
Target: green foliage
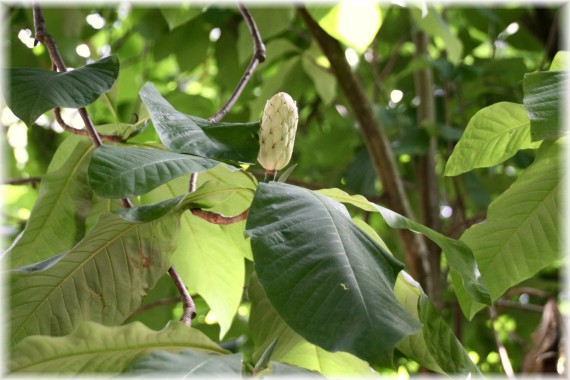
<point>333,268</point>
<point>311,280</point>
<point>94,348</point>
<point>35,91</point>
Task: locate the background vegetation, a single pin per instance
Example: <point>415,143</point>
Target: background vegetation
<point>422,78</point>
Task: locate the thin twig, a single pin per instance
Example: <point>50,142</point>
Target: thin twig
<point>188,306</point>
<point>531,291</point>
<point>258,57</point>
<point>518,305</point>
<point>81,132</point>
<point>217,218</point>
<point>193,180</point>
<point>22,181</point>
<point>505,361</point>
<point>550,39</point>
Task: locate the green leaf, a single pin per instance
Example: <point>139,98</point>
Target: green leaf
<point>186,363</point>
<point>180,15</point>
<point>64,200</point>
<point>522,233</point>
<point>560,61</point>
<point>314,263</point>
<point>266,325</point>
<point>457,253</point>
<point>181,133</point>
<point>101,279</point>
<point>210,257</point>
<point>35,91</point>
<point>493,134</point>
<point>435,26</point>
<point>543,94</point>
<point>325,82</point>
<point>148,213</point>
<point>435,346</point>
<point>123,172</point>
<point>354,24</point>
<point>94,348</point>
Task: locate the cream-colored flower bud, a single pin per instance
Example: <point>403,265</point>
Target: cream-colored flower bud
<point>277,133</point>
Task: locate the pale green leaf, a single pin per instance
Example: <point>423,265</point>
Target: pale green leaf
<point>324,81</point>
<point>494,134</point>
<point>63,203</point>
<point>94,348</point>
<point>560,61</point>
<point>102,279</point>
<point>266,325</point>
<point>522,232</point>
<point>210,257</point>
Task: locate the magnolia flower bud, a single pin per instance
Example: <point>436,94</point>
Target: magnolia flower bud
<point>277,133</point>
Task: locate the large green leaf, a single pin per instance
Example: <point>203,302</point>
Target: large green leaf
<point>457,253</point>
<point>181,133</point>
<point>434,347</point>
<point>493,135</point>
<point>327,279</point>
<point>266,325</point>
<point>61,208</point>
<point>35,91</point>
<point>210,257</point>
<point>94,348</point>
<point>543,97</point>
<point>522,233</point>
<point>123,172</point>
<point>102,279</point>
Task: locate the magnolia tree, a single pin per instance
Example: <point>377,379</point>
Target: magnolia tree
<point>144,231</point>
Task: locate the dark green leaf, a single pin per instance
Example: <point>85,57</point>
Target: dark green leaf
<point>35,91</point>
<point>122,172</point>
<point>186,363</point>
<point>94,348</point>
<point>458,254</point>
<point>148,213</point>
<point>543,94</point>
<point>101,279</point>
<point>266,326</point>
<point>327,279</point>
<point>181,133</point>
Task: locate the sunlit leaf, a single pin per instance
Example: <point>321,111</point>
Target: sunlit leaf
<point>354,24</point>
<point>314,268</point>
<point>521,235</point>
<point>35,91</point>
<point>102,279</point>
<point>560,61</point>
<point>493,134</point>
<point>63,204</point>
<point>94,348</point>
<point>435,26</point>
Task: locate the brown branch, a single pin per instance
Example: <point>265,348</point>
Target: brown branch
<point>376,141</point>
<point>22,181</point>
<point>217,218</point>
<point>425,174</point>
<point>188,306</point>
<point>518,305</point>
<point>258,57</point>
<point>531,291</point>
<point>505,361</point>
<point>81,132</point>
